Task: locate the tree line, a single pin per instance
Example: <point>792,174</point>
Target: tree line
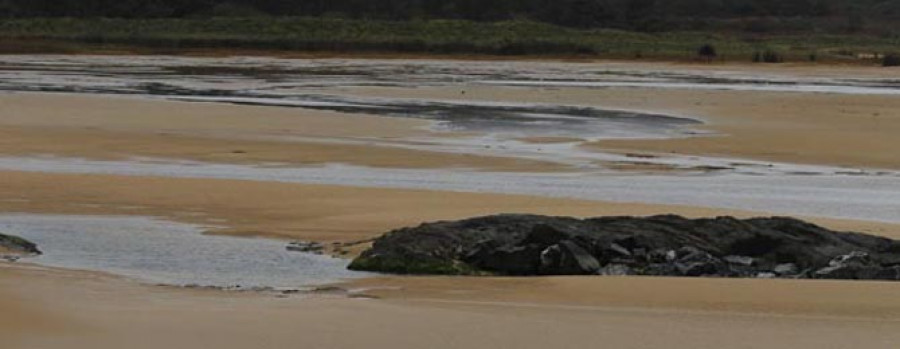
<point>640,15</point>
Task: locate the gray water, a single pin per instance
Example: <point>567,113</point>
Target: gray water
<point>162,252</point>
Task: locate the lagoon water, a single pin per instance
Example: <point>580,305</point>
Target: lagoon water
<point>162,252</point>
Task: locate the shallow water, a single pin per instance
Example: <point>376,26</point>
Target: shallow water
<point>163,252</point>
<point>499,119</point>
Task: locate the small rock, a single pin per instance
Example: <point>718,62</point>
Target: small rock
<point>740,260</point>
<point>786,269</point>
<point>766,276</point>
<point>306,247</point>
<point>855,258</point>
<point>671,256</point>
<point>615,270</point>
<point>694,262</point>
<point>619,251</point>
<point>839,272</point>
<point>696,269</point>
<point>567,258</point>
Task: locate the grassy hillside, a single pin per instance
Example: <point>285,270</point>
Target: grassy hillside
<point>430,37</point>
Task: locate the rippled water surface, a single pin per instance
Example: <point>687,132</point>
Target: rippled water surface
<point>157,251</point>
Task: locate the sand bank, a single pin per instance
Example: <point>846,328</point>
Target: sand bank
<point>117,127</point>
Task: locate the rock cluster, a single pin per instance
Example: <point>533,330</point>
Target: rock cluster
<point>659,246</point>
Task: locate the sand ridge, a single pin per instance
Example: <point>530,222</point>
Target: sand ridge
<point>303,211</point>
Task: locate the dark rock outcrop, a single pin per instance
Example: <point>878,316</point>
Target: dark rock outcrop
<point>18,245</point>
<point>660,245</point>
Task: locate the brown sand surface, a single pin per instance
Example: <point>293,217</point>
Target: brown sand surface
<point>85,310</point>
<point>301,211</point>
<point>824,129</point>
<point>783,297</point>
<point>116,127</point>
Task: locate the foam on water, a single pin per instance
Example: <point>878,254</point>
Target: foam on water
<point>163,252</point>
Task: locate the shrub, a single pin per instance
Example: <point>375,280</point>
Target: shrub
<point>891,60</point>
<point>707,52</point>
<point>767,56</point>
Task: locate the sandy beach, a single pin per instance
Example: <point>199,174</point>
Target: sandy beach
<point>42,307</point>
<point>626,313</point>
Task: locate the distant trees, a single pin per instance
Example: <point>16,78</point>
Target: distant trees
<point>641,15</point>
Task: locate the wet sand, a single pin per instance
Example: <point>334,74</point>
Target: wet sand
<point>822,129</point>
<point>117,127</point>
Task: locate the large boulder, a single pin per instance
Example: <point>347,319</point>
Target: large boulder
<point>660,245</point>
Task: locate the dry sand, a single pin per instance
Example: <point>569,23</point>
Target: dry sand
<point>822,129</point>
<point>84,310</point>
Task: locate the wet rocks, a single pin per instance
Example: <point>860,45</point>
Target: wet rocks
<point>786,269</point>
<point>858,265</point>
<point>616,270</point>
<point>568,258</point>
<point>17,245</point>
<point>660,245</point>
<point>306,247</point>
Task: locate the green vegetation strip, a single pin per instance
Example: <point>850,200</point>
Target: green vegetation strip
<point>432,37</point>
